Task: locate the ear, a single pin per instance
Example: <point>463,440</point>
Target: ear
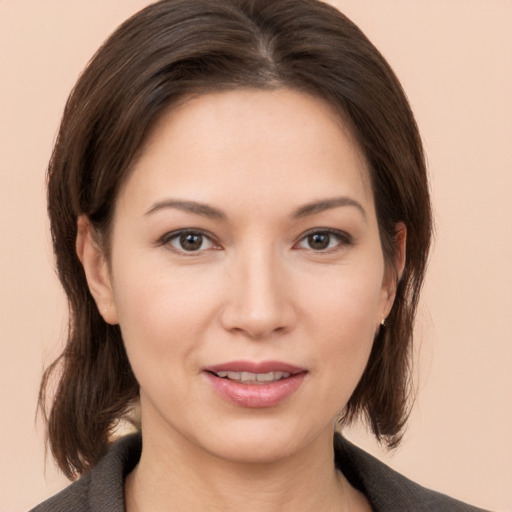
<point>96,270</point>
<point>392,276</point>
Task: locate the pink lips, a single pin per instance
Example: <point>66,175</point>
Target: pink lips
<point>258,395</point>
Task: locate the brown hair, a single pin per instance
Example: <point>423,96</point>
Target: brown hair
<point>170,50</point>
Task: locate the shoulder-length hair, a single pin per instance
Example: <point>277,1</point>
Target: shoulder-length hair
<point>164,53</point>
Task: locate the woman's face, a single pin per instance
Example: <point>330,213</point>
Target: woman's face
<point>246,273</point>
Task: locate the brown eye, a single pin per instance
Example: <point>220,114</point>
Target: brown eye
<point>188,241</point>
<point>319,241</point>
<point>325,240</point>
<point>191,241</point>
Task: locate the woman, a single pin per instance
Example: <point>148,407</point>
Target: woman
<point>241,219</point>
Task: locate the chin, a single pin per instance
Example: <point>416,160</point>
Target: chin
<point>256,442</point>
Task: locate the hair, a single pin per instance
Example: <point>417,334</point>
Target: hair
<point>167,52</point>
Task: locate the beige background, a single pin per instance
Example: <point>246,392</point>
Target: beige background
<point>454,60</point>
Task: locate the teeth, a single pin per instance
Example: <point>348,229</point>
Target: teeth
<point>251,378</point>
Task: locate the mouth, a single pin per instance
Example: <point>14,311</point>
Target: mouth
<point>249,372</point>
<point>253,378</point>
<point>255,385</point>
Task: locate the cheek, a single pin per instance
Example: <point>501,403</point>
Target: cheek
<point>347,335</point>
<point>162,314</point>
<point>349,301</point>
<point>343,318</point>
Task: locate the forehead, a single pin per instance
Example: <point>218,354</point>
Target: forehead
<point>251,141</point>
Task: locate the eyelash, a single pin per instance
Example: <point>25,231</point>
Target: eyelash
<point>343,240</point>
<point>176,235</point>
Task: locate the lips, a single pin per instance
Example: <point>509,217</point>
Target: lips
<point>253,378</point>
<point>255,385</point>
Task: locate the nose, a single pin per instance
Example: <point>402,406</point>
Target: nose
<point>259,299</point>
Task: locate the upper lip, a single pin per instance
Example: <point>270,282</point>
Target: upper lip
<point>255,367</point>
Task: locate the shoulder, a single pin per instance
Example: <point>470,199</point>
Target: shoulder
<point>102,489</point>
<point>73,498</point>
<point>387,490</point>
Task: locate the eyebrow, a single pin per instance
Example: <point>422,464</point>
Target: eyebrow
<point>213,213</point>
<point>328,204</point>
<point>188,206</point>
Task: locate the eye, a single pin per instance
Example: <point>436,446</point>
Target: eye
<point>324,240</point>
<point>189,241</point>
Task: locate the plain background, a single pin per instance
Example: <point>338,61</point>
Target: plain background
<point>454,60</point>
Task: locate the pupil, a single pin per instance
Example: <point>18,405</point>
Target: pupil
<point>191,241</point>
<point>319,241</point>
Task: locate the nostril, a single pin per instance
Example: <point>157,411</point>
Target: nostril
<point>257,305</point>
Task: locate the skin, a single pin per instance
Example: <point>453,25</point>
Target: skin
<point>255,290</point>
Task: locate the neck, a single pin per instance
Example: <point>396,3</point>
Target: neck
<point>178,476</point>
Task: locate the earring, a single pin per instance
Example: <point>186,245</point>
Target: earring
<point>383,321</point>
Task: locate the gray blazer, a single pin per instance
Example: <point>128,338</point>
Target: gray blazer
<point>102,489</point>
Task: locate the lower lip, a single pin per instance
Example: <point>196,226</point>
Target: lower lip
<point>255,395</point>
